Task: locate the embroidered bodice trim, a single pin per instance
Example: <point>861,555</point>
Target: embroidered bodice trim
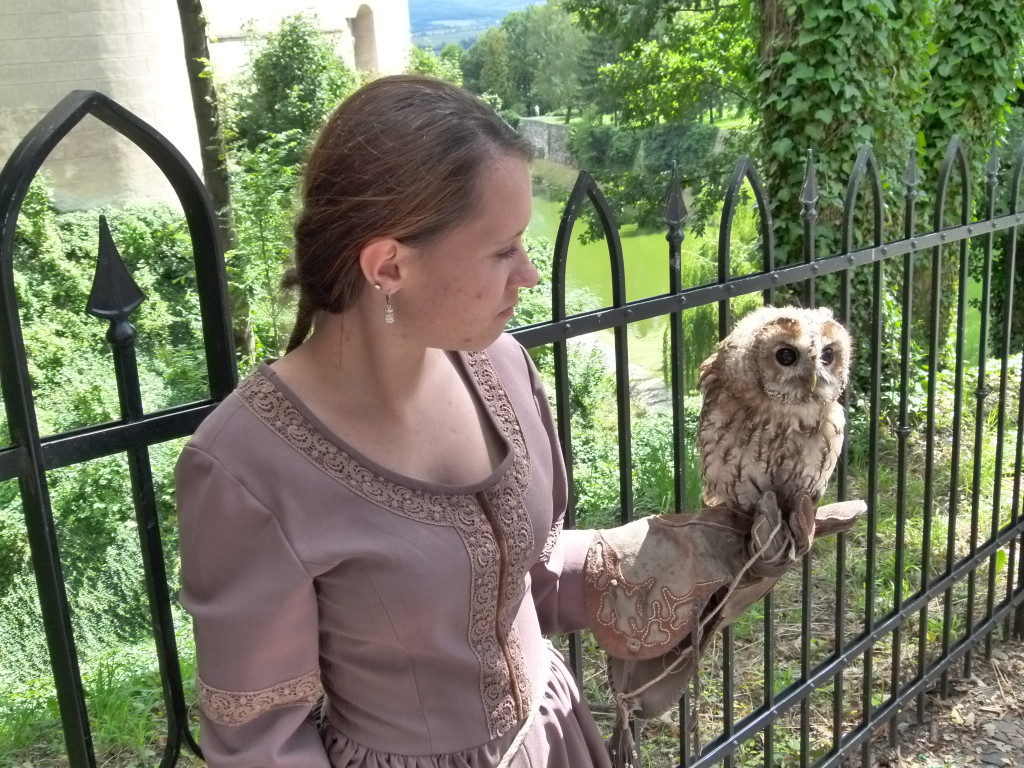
<point>241,707</point>
<point>492,637</point>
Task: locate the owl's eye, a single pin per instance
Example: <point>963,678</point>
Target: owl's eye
<point>828,355</point>
<point>787,356</point>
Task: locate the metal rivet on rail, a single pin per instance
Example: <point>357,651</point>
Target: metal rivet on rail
<point>851,259</point>
<point>629,313</point>
<point>942,236</point>
<point>970,230</point>
<point>567,327</point>
<point>815,268</point>
<point>730,289</point>
<point>913,244</point>
<point>885,251</point>
<point>682,300</point>
<point>775,277</point>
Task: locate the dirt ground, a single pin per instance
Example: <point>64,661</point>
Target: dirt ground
<point>980,724</point>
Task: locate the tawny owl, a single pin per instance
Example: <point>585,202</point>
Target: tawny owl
<point>770,419</point>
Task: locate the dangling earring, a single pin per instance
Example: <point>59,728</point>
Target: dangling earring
<point>389,311</point>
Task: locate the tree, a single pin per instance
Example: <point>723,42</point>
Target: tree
<point>533,59</point>
<point>487,66</point>
<point>206,106</point>
<point>293,81</point>
<point>558,45</point>
<point>696,63</point>
<point>453,53</point>
<point>598,51</point>
<point>444,67</point>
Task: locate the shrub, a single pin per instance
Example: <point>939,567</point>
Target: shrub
<point>633,167</point>
<point>293,81</point>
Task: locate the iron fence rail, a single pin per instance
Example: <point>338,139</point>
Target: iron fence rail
<point>30,456</point>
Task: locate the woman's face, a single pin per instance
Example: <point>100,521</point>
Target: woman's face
<point>460,292</point>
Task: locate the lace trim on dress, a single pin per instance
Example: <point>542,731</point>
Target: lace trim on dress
<point>241,707</point>
<point>506,499</point>
<point>552,539</point>
<point>486,629</point>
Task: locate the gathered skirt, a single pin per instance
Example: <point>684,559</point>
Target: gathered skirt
<point>562,735</point>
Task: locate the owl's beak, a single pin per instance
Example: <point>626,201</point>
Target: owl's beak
<point>814,381</point>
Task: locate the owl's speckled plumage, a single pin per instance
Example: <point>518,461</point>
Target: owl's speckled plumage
<point>770,418</point>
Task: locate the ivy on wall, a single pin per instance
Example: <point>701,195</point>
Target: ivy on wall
<point>835,74</point>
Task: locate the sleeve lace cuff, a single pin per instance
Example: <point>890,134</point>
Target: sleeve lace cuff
<point>240,707</point>
<point>549,545</point>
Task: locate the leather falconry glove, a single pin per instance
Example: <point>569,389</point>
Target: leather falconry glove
<point>656,587</point>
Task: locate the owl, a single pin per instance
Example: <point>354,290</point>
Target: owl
<point>771,418</point>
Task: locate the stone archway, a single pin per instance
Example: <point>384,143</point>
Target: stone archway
<point>364,40</point>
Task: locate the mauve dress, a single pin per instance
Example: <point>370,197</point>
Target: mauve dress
<point>417,609</point>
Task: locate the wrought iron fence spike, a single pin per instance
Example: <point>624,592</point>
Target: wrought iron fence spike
<point>992,168</point>
<point>809,191</point>
<point>675,210</point>
<point>912,177</point>
<point>115,294</point>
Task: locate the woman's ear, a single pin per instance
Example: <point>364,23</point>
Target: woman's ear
<point>383,263</point>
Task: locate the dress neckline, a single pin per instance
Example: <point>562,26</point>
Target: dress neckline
<point>476,389</point>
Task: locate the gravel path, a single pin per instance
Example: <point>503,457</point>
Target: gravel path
<point>981,723</point>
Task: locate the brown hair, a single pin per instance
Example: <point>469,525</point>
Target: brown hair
<point>399,158</point>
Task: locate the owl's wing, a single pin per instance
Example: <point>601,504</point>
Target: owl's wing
<point>711,381</point>
<point>711,368</point>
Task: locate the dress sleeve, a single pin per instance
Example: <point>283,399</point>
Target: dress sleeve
<point>557,577</point>
<point>254,612</point>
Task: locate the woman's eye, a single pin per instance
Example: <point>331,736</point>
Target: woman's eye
<point>828,355</point>
<point>508,254</point>
<point>786,356</point>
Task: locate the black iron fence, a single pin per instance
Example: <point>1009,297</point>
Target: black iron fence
<point>937,611</point>
<point>953,585</point>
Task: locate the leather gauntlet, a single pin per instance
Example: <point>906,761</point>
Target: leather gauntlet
<point>654,588</point>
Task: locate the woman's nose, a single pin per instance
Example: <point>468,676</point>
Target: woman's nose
<point>528,275</point>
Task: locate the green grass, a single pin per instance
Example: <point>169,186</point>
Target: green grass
<point>972,324</point>
<point>125,705</point>
<point>735,121</point>
<point>589,266</point>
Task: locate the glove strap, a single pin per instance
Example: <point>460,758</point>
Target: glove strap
<point>623,747</point>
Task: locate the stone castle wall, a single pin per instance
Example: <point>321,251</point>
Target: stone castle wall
<point>132,51</point>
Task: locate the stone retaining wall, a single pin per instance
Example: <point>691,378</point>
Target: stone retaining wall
<point>549,140</point>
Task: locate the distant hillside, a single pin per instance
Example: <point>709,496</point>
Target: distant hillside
<point>425,15</point>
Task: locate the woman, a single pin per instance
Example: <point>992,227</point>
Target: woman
<point>378,513</point>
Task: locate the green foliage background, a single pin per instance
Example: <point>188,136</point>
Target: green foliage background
<point>70,366</point>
